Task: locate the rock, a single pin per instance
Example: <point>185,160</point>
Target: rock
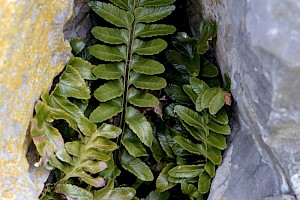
<point>258,44</point>
<point>80,24</point>
<point>33,52</point>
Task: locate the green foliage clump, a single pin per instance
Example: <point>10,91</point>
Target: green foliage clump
<point>104,123</point>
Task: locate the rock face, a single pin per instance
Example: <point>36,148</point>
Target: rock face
<point>32,52</point>
<point>258,44</point>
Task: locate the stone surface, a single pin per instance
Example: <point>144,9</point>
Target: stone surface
<point>32,52</point>
<point>258,44</point>
<point>80,24</point>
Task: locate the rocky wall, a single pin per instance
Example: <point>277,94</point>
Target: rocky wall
<point>258,44</point>
<point>32,53</point>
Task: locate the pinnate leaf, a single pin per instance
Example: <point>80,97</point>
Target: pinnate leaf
<point>84,125</point>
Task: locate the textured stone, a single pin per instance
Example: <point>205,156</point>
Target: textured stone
<point>32,52</point>
<point>258,44</point>
<point>80,24</point>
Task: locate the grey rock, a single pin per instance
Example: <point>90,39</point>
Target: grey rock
<point>258,44</point>
<point>80,24</point>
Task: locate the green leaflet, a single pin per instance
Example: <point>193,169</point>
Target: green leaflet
<point>109,71</point>
<point>133,145</point>
<point>185,44</point>
<point>105,192</point>
<point>77,45</point>
<point>148,82</point>
<point>155,2</point>
<point>109,53</point>
<point>157,195</point>
<point>186,171</point>
<point>111,193</point>
<point>219,128</point>
<point>213,99</point>
<point>209,69</point>
<point>111,171</point>
<point>204,183</point>
<point>162,183</point>
<point>111,35</point>
<point>146,66</point>
<point>189,91</point>
<point>71,84</point>
<point>137,98</point>
<point>139,125</point>
<point>122,193</point>
<point>156,149</point>
<point>208,30</point>
<point>221,117</point>
<point>166,141</point>
<point>190,117</point>
<point>109,90</point>
<point>72,191</point>
<point>198,86</point>
<point>189,145</point>
<point>176,93</point>
<point>150,30</point>
<point>46,138</point>
<point>112,14</point>
<point>148,47</point>
<point>83,67</point>
<point>152,14</point>
<point>210,169</point>
<point>106,110</point>
<point>211,153</point>
<point>136,166</point>
<point>191,190</point>
<point>108,131</point>
<point>125,4</point>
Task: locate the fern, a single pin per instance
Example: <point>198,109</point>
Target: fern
<point>90,146</point>
<point>130,73</point>
<point>191,147</point>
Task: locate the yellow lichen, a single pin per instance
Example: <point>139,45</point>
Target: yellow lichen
<point>30,39</point>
